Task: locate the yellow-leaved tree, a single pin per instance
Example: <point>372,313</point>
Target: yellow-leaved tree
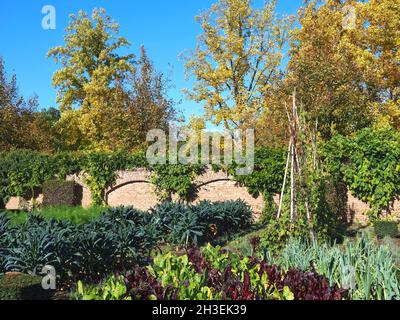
<point>236,61</point>
<point>375,45</point>
<point>90,80</point>
<point>344,63</point>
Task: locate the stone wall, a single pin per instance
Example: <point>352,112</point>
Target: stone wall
<point>134,188</point>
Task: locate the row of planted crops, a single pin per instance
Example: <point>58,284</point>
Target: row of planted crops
<point>166,253</point>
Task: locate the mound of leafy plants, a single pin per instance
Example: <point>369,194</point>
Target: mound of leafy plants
<point>212,274</point>
<point>120,236</point>
<point>115,240</point>
<point>185,225</point>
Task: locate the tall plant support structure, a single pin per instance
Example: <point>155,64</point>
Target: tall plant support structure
<point>294,163</point>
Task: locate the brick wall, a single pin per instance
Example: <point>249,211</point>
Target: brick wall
<point>134,188</point>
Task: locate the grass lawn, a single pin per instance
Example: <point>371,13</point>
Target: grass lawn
<point>76,215</point>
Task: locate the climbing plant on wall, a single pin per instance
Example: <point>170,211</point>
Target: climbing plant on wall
<point>267,176</point>
<point>369,163</point>
<point>22,171</point>
<point>102,170</point>
<point>176,179</point>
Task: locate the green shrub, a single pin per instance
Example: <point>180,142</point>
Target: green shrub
<point>385,228</point>
<point>267,176</point>
<point>61,193</point>
<point>279,231</point>
<point>22,287</point>
<point>177,179</point>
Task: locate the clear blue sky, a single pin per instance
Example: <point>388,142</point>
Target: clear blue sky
<point>165,27</point>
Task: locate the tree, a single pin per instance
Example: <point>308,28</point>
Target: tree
<point>148,104</point>
<point>236,61</point>
<point>43,130</point>
<point>18,118</point>
<point>91,76</point>
<point>375,48</point>
<point>347,77</point>
<point>271,127</point>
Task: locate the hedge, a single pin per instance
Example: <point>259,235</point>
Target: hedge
<point>61,193</point>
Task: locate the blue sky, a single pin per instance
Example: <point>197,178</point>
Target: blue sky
<point>165,27</point>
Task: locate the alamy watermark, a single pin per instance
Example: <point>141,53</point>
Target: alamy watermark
<point>348,278</point>
<point>49,20</point>
<point>349,17</point>
<point>49,281</point>
<point>208,148</point>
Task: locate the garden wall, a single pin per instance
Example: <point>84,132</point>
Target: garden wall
<point>134,188</point>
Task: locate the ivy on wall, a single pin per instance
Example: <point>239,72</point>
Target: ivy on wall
<point>22,171</point>
<point>176,179</point>
<point>369,164</point>
<point>101,170</point>
<point>267,176</point>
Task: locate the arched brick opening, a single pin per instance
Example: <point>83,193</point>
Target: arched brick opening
<point>224,189</point>
<point>139,194</point>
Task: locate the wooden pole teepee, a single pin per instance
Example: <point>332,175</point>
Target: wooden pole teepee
<point>295,151</point>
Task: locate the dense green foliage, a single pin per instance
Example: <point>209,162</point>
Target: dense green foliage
<point>366,269</point>
<point>177,179</point>
<point>267,177</point>
<point>22,287</point>
<point>369,163</point>
<point>327,202</point>
<point>105,244</point>
<point>22,172</point>
<point>114,240</point>
<point>196,224</point>
<point>278,232</point>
